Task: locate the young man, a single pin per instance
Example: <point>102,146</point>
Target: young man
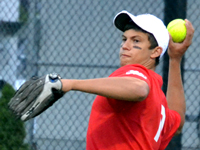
<point>131,112</point>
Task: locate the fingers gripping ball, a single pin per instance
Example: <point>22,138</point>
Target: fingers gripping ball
<point>177,30</point>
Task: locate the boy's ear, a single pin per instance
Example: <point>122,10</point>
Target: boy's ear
<point>156,52</point>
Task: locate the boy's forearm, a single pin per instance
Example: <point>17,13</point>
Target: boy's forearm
<point>175,91</point>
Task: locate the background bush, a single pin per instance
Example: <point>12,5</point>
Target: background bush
<point>12,131</point>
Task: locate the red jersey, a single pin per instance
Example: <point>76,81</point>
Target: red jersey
<point>124,125</point>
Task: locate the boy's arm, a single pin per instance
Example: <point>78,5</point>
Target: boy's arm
<point>122,88</point>
<point>175,90</point>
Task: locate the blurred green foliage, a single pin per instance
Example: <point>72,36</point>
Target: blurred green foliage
<point>12,130</point>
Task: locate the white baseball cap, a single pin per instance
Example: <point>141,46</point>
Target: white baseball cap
<point>147,22</point>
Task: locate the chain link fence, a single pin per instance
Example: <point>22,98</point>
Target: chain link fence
<point>77,39</point>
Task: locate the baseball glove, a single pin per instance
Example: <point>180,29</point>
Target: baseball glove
<point>35,96</point>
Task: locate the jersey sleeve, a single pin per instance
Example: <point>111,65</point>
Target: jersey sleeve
<point>172,125</point>
<point>136,71</point>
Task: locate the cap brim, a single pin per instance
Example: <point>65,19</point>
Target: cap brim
<point>122,19</point>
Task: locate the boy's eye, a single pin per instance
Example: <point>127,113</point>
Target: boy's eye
<point>123,39</point>
<point>136,41</point>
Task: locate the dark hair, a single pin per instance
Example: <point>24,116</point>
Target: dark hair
<point>151,38</point>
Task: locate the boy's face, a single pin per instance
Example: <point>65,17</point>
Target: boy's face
<point>135,48</point>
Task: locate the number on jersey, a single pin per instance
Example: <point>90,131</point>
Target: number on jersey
<point>161,125</point>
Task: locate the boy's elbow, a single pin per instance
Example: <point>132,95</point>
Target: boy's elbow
<point>179,130</point>
<point>140,89</point>
<point>144,91</point>
<point>181,125</point>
